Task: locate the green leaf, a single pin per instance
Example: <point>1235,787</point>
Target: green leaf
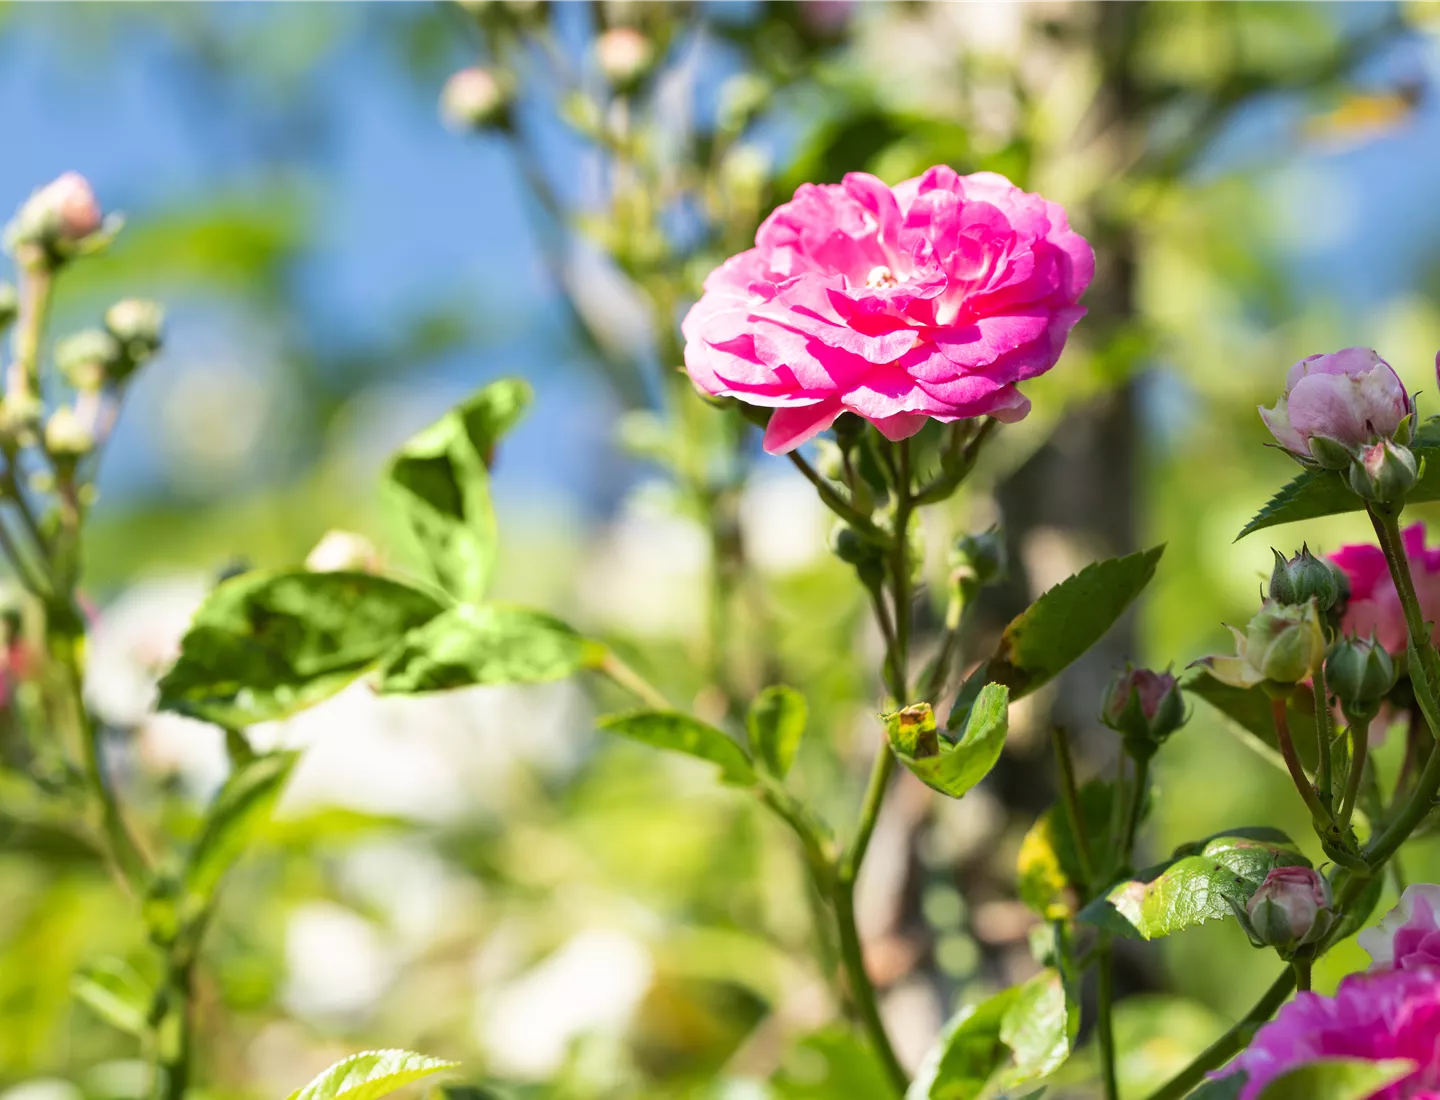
<point>1060,626</point>
<point>489,644</point>
<point>1314,493</point>
<point>668,729</point>
<point>1201,883</point>
<point>1017,1036</point>
<point>957,766</point>
<point>240,809</point>
<point>1050,879</point>
<point>116,993</point>
<point>1425,680</point>
<point>441,482</point>
<point>265,645</point>
<point>1337,1079</point>
<point>776,723</point>
<point>1249,712</point>
<point>831,1065</point>
<point>370,1075</point>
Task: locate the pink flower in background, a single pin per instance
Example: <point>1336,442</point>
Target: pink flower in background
<point>929,300</point>
<point>1374,604</point>
<point>1373,1017</point>
<point>1408,938</point>
<point>1350,397</point>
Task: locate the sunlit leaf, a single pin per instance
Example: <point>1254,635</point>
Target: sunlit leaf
<point>954,767</point>
<point>116,993</point>
<point>441,481</point>
<point>1048,868</point>
<point>240,809</point>
<point>1019,1035</point>
<point>489,644</point>
<point>1201,883</point>
<point>1061,625</point>
<point>678,732</point>
<point>776,723</point>
<point>265,645</point>
<point>370,1075</point>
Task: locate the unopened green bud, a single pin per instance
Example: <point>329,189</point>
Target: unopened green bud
<point>88,358</point>
<point>912,731</point>
<point>138,324</point>
<point>1384,472</point>
<point>1303,577</point>
<point>981,558</point>
<point>1360,673</point>
<point>9,305</point>
<point>1285,644</point>
<point>851,547</point>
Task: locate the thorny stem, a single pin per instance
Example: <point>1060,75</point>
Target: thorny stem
<point>1292,762</point>
<point>1070,798</point>
<point>1323,739</point>
<point>1359,748</point>
<point>1229,1044</point>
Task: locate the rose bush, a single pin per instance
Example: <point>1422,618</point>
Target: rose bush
<point>929,300</point>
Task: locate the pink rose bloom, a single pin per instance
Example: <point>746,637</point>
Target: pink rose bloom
<point>929,300</point>
<point>1374,604</point>
<point>1372,1016</point>
<point>1408,938</point>
<point>1350,397</point>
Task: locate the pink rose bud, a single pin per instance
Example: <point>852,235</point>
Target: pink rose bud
<point>1334,404</point>
<point>1146,707</point>
<point>1291,907</point>
<point>475,99</point>
<point>55,221</point>
<point>1384,472</point>
<point>1408,937</point>
<point>625,56</point>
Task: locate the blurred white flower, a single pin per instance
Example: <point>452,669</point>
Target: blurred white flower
<point>784,523</point>
<point>135,639</point>
<point>338,964</point>
<point>644,575</point>
<point>430,757</point>
<point>407,882</point>
<point>592,984</point>
<point>43,1088</point>
<point>171,744</point>
<point>344,551</point>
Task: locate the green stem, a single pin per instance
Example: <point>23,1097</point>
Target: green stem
<point>862,990</point>
<point>22,386</point>
<point>1359,750</point>
<point>1133,810</point>
<point>1386,522</point>
<point>626,677</point>
<point>1323,739</point>
<point>1302,782</point>
<point>1104,1023</point>
<point>1302,969</point>
<point>838,504</point>
<point>1070,799</point>
<point>124,853</point>
<point>1229,1044</point>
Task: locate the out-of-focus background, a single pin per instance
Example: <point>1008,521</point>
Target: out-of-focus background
<point>478,874</point>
